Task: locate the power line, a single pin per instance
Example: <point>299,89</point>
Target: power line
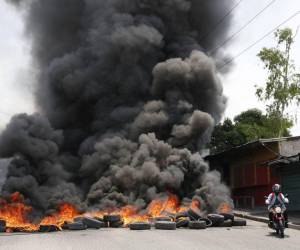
<point>220,21</point>
<point>260,39</point>
<point>242,28</point>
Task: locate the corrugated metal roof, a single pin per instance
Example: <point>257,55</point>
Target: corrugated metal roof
<point>252,144</point>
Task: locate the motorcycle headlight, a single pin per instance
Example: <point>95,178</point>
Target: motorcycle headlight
<point>278,210</point>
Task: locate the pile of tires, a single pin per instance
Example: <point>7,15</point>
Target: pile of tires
<point>114,221</point>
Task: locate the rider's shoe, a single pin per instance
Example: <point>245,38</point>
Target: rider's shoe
<point>270,224</point>
<point>286,224</point>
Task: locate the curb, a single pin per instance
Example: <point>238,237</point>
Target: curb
<point>262,219</point>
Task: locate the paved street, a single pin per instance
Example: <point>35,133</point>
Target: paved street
<point>255,236</point>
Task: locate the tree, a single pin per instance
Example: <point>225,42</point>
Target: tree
<point>248,126</point>
<point>282,87</point>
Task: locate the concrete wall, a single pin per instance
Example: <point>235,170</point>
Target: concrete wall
<point>289,148</point>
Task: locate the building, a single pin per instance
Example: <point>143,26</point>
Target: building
<point>251,169</point>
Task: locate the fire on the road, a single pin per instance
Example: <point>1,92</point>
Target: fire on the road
<point>17,214</point>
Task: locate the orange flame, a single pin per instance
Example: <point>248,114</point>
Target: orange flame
<point>16,213</point>
<point>225,208</point>
<point>66,213</point>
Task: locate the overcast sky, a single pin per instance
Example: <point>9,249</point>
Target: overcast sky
<point>16,74</point>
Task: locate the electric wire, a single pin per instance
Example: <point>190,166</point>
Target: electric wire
<point>242,28</point>
<point>220,21</point>
<point>259,40</point>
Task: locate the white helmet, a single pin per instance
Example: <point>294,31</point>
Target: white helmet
<point>276,188</point>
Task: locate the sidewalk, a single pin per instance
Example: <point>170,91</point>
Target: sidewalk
<point>260,214</point>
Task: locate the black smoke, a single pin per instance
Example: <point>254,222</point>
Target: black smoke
<point>127,97</point>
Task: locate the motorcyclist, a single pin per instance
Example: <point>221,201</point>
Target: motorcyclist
<point>276,198</point>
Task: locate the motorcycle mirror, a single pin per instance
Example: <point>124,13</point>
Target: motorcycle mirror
<point>286,195</point>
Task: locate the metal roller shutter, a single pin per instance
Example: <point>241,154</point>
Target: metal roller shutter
<point>291,185</point>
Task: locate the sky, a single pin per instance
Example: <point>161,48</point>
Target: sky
<point>17,73</point>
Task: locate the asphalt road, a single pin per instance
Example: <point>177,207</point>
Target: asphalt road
<point>255,236</point>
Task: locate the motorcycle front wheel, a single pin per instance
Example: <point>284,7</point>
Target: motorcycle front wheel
<point>281,229</point>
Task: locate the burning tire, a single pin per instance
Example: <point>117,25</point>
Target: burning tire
<point>111,218</point>
<point>2,226</point>
<point>194,215</point>
<point>197,225</point>
<point>76,226</point>
<point>239,223</point>
<point>216,219</point>
<point>182,222</point>
<point>181,215</point>
<point>163,219</point>
<point>48,228</point>
<point>165,225</point>
<point>2,223</point>
<point>104,223</point>
<point>116,224</point>
<point>92,223</point>
<point>228,216</point>
<point>140,226</point>
<point>78,219</point>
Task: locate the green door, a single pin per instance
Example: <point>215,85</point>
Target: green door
<point>291,185</point>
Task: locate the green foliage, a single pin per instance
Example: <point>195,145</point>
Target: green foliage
<point>282,87</point>
<point>248,126</point>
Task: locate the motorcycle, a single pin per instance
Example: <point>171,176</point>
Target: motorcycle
<point>278,222</point>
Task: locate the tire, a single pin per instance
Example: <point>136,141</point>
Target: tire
<point>163,219</point>
<point>197,225</point>
<point>2,229</point>
<point>194,215</point>
<point>111,218</point>
<point>76,226</point>
<point>226,223</point>
<point>181,215</point>
<point>78,219</point>
<point>2,223</point>
<point>228,216</point>
<point>104,223</point>
<point>116,224</point>
<point>165,225</point>
<point>48,228</point>
<point>92,223</point>
<point>182,222</point>
<point>140,226</point>
<point>281,229</point>
<point>207,221</point>
<point>216,219</point>
<point>239,223</point>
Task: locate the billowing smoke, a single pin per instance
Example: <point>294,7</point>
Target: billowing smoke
<point>127,97</point>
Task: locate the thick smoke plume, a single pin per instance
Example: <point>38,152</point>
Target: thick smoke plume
<point>127,97</point>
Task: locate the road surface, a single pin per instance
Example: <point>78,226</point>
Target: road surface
<point>255,236</point>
